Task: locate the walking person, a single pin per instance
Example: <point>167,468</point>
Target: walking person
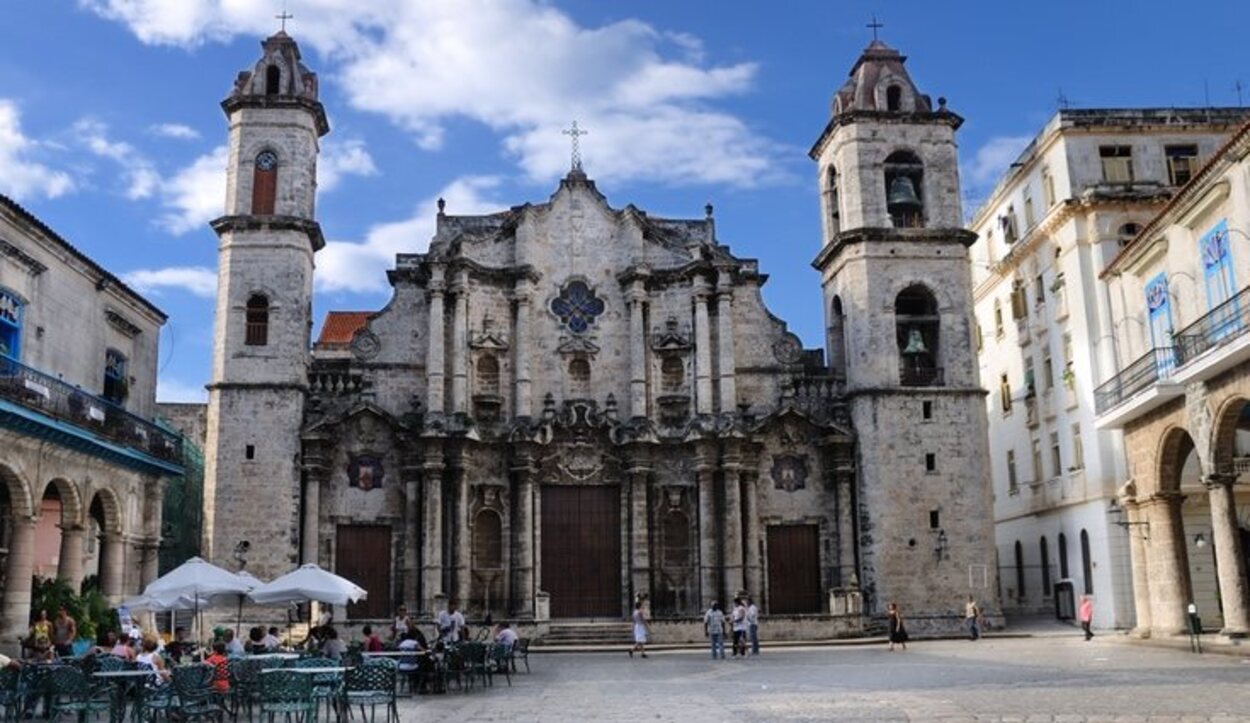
<point>739,620</point>
<point>972,617</point>
<point>714,628</point>
<point>753,626</point>
<point>1086,614</point>
<point>640,631</point>
<point>898,632</point>
<point>64,632</point>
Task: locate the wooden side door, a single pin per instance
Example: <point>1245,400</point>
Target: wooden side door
<point>793,569</point>
<point>581,550</point>
<point>363,555</point>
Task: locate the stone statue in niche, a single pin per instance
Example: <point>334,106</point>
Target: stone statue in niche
<point>789,472</point>
<point>365,472</point>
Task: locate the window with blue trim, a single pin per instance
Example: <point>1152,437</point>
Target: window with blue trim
<point>1217,275</point>
<point>11,308</point>
<point>1159,307</point>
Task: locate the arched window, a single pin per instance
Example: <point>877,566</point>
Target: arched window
<point>1087,568</point>
<point>1045,566</point>
<point>1063,556</point>
<point>273,80</point>
<point>579,378</point>
<point>11,308</point>
<point>904,188</point>
<point>837,338</point>
<point>265,183</point>
<point>832,201</point>
<point>1019,571</point>
<point>116,377</point>
<point>917,322</point>
<point>488,374</point>
<point>672,375</point>
<point>894,98</point>
<point>257,330</point>
<point>487,541</point>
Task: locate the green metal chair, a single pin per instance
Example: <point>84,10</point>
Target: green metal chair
<point>70,690</point>
<point>499,660</point>
<point>521,651</point>
<point>194,695</point>
<point>11,692</point>
<point>244,674</point>
<point>287,692</point>
<point>476,663</point>
<point>326,686</point>
<point>373,684</point>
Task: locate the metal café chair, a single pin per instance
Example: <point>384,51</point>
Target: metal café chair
<point>287,691</point>
<point>373,684</point>
<point>193,691</point>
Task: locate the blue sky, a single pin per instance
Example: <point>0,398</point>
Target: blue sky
<point>110,128</point>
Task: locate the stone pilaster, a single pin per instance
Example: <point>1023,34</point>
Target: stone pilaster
<point>731,531</point>
<point>1169,567</point>
<point>151,563</point>
<point>523,545</point>
<point>640,532</point>
<point>432,540</point>
<point>725,372</point>
<point>708,566</point>
<point>702,349</point>
<point>19,568</point>
<point>521,348</point>
<point>69,565</point>
<point>1230,563</point>
<point>411,475</point>
<point>310,536</point>
<point>463,551</point>
<point>113,567</point>
<point>434,360</point>
<point>1141,567</point>
<point>754,572</point>
<point>460,345</point>
<point>637,296</point>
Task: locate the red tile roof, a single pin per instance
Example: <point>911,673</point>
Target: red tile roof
<point>339,326</point>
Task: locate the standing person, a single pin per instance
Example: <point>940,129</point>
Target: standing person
<point>1087,615</point>
<point>972,617</point>
<point>400,624</point>
<point>64,631</point>
<point>898,633</point>
<point>739,620</point>
<point>714,628</point>
<point>640,631</point>
<point>753,626</point>
<point>450,623</point>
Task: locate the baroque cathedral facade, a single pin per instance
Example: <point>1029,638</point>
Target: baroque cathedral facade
<point>567,407</point>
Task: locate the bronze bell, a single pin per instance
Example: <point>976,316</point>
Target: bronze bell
<point>902,193</point>
<point>915,343</point>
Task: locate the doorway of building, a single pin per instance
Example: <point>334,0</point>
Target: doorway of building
<point>581,550</point>
<point>363,555</point>
<point>793,569</point>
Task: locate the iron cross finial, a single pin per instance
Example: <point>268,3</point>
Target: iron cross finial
<point>875,25</point>
<point>574,132</point>
<point>285,16</point>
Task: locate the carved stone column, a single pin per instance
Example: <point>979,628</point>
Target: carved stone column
<point>19,568</point>
<point>725,368</point>
<point>523,546</point>
<point>702,349</point>
<point>1230,563</point>
<point>460,345</point>
<point>113,567</point>
<point>432,540</point>
<point>731,531</point>
<point>1169,566</point>
<point>640,532</point>
<point>521,348</point>
<point>1141,567</point>
<point>463,551</point>
<point>754,569</point>
<point>69,565</point>
<point>411,476</point>
<point>310,537</point>
<point>434,360</point>
<point>637,350</point>
<point>707,535</point>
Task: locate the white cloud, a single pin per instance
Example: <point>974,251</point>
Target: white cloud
<point>170,390</point>
<point>361,266</point>
<point>993,158</point>
<point>196,280</point>
<point>521,67</point>
<point>140,174</point>
<point>196,194</point>
<point>348,158</point>
<point>21,176</point>
<point>174,130</point>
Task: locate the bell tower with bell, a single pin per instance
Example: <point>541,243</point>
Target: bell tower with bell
<point>898,309</point>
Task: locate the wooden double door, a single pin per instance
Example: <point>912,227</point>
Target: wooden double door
<point>363,555</point>
<point>581,550</point>
<point>793,569</point>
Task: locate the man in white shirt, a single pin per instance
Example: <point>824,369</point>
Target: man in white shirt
<point>506,636</point>
<point>234,647</point>
<point>739,619</point>
<point>271,641</point>
<point>753,626</point>
<point>450,623</point>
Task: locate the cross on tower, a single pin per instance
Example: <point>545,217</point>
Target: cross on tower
<point>575,133</point>
<point>284,16</point>
<point>875,26</point>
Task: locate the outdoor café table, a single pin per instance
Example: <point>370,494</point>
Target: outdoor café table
<point>396,654</point>
<point>124,681</point>
<point>273,656</point>
<point>311,671</point>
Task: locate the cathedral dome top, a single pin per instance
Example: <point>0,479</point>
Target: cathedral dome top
<point>879,82</point>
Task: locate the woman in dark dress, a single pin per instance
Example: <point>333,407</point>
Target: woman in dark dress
<point>898,633</point>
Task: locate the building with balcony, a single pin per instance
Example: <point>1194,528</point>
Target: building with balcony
<point>1180,398</point>
<point>1088,182</point>
<point>82,463</point>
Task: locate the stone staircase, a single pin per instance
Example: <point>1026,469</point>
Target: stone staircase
<point>571,634</point>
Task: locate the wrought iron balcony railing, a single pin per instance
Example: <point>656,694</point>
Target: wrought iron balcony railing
<point>922,376</point>
<point>1217,327</point>
<point>1157,364</point>
<point>52,397</point>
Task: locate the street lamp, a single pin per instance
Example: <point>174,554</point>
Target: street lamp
<point>1116,512</point>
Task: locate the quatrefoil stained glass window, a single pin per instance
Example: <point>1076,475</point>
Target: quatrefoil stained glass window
<point>577,306</point>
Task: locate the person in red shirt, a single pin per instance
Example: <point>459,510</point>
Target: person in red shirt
<point>373,644</point>
<point>221,679</point>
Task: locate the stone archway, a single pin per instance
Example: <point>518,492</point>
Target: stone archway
<point>106,511</point>
<point>60,526</point>
<point>1230,452</point>
<point>1173,559</point>
<point>19,537</point>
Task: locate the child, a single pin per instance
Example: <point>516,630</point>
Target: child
<point>221,680</point>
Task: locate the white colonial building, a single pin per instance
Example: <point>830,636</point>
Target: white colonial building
<point>1086,185</point>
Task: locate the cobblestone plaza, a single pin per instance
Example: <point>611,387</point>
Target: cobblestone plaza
<point>1030,679</point>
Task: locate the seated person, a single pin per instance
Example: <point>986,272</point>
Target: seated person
<point>408,641</point>
<point>179,647</point>
<point>150,659</point>
<point>271,640</point>
<point>121,648</point>
<point>255,641</point>
<point>506,636</point>
<point>234,648</point>
<point>221,664</point>
<point>333,648</point>
<point>373,644</point>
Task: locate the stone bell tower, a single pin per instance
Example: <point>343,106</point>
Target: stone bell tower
<point>898,310</point>
<point>268,236</point>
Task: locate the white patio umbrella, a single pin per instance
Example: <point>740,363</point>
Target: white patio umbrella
<point>164,603</point>
<point>202,582</point>
<point>308,583</point>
